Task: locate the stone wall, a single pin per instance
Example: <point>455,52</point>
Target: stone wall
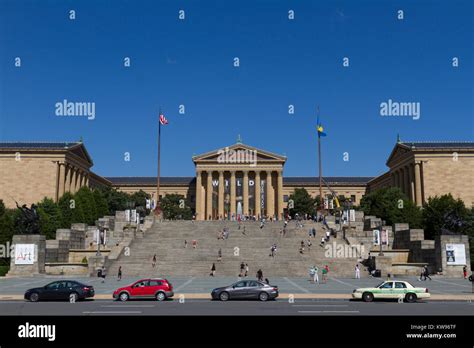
<point>440,260</point>
<point>38,266</point>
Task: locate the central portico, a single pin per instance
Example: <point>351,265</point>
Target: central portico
<point>239,180</point>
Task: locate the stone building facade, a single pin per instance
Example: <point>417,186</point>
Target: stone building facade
<point>237,179</point>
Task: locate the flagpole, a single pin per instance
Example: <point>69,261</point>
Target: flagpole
<point>321,202</point>
<point>157,208</point>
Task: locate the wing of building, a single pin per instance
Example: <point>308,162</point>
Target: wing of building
<point>237,179</point>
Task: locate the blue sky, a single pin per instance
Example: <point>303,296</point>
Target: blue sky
<point>282,62</point>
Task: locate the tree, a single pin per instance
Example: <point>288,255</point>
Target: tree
<point>50,217</point>
<point>140,198</point>
<point>391,205</point>
<point>6,229</point>
<point>446,212</point>
<point>85,200</point>
<point>100,204</point>
<point>174,207</point>
<point>116,200</point>
<point>69,211</point>
<point>302,203</point>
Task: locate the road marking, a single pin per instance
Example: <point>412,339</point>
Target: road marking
<point>113,312</point>
<point>440,281</point>
<point>340,281</point>
<point>317,305</point>
<point>296,285</point>
<point>128,306</point>
<point>328,312</point>
<point>189,281</point>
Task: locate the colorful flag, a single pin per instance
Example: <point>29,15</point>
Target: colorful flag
<point>163,119</point>
<point>320,129</point>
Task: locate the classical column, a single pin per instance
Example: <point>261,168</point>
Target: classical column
<point>270,195</point>
<point>221,195</point>
<point>280,195</point>
<point>402,186</point>
<point>232,194</point>
<point>245,198</point>
<point>407,181</point>
<point>61,179</point>
<point>67,179</point>
<point>199,209</point>
<point>418,184</point>
<point>209,195</point>
<point>412,183</point>
<point>258,211</point>
<point>87,180</point>
<point>80,179</point>
<point>73,180</point>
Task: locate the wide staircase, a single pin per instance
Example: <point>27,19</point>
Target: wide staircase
<point>167,241</point>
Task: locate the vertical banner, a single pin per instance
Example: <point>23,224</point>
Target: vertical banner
<point>262,196</point>
<point>376,237</point>
<point>384,237</point>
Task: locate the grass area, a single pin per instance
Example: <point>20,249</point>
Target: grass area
<point>4,270</point>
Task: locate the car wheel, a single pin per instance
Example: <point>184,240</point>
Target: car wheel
<point>263,296</point>
<point>34,297</point>
<point>73,297</point>
<point>224,296</point>
<point>410,297</point>
<point>123,297</point>
<point>368,297</point>
<point>160,296</point>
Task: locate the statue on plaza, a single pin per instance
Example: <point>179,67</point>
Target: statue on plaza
<point>28,221</point>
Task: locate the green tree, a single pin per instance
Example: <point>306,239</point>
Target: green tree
<point>442,212</point>
<point>6,229</point>
<point>100,204</point>
<point>116,200</point>
<point>302,202</point>
<point>173,209</point>
<point>66,205</point>
<point>50,217</point>
<point>391,205</point>
<point>85,200</point>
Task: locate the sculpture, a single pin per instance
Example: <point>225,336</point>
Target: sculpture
<point>28,221</point>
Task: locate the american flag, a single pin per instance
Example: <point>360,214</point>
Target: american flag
<point>163,119</point>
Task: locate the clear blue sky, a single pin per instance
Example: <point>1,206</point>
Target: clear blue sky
<point>282,62</point>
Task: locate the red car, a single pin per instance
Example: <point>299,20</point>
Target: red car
<point>157,288</point>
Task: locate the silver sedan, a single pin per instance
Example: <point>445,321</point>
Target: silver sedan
<point>246,290</point>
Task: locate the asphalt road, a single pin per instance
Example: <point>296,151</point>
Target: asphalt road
<point>291,285</point>
<point>207,307</point>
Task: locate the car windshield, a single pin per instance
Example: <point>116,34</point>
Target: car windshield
<point>378,286</point>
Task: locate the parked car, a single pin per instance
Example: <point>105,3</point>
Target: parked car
<point>60,290</point>
<point>391,290</point>
<point>246,290</point>
<point>154,288</point>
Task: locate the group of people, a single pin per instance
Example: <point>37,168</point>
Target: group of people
<point>308,244</point>
<point>424,273</point>
<point>314,274</point>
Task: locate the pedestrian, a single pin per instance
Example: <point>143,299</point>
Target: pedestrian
<point>243,232</point>
<point>194,242</point>
<point>314,232</point>
<point>464,272</point>
<point>301,250</point>
<point>185,243</point>
<point>119,275</point>
<point>328,234</point>
<point>103,273</point>
<point>315,275</point>
<point>259,275</point>
<point>219,255</point>
<point>246,270</point>
<point>242,268</point>
<point>267,281</point>
<point>325,272</point>
<point>311,273</point>
<point>427,274</point>
<point>357,271</point>
<point>153,261</point>
<point>308,243</point>
<point>213,270</point>
<point>323,240</point>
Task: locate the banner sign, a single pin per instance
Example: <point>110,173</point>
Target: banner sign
<point>376,237</point>
<point>25,254</point>
<point>455,254</point>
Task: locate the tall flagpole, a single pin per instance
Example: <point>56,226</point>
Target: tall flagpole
<point>321,202</point>
<point>157,208</point>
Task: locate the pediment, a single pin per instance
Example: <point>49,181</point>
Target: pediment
<point>398,152</point>
<point>237,150</point>
<point>80,151</point>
